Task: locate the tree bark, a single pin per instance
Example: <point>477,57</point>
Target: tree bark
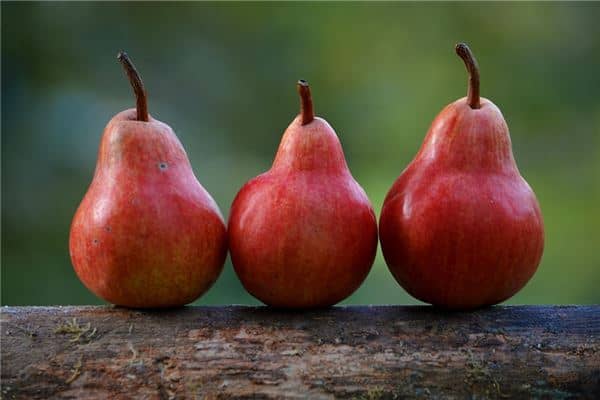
<point>374,352</point>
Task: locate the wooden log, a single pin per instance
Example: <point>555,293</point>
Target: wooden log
<point>374,352</point>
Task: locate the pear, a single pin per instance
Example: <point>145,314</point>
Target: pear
<point>460,228</point>
<point>303,234</point>
<point>146,234</point>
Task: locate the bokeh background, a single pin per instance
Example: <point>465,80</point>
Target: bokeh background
<point>223,76</point>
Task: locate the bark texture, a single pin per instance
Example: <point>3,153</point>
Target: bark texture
<point>380,352</point>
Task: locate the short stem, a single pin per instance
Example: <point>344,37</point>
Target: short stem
<point>306,104</point>
<point>465,53</point>
<point>137,85</point>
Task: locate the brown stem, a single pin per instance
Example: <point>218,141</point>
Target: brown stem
<point>465,53</point>
<point>137,85</point>
<point>306,105</point>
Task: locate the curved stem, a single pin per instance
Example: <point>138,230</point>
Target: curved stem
<point>306,104</point>
<point>465,53</point>
<point>137,85</point>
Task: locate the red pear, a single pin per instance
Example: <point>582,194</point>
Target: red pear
<point>303,234</point>
<point>146,234</point>
<point>460,228</point>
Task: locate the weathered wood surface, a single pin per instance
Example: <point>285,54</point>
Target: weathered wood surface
<point>342,352</point>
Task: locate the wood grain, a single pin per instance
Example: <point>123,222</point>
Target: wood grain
<point>375,352</point>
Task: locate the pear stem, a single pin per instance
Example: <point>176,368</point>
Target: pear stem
<point>465,53</point>
<point>306,104</point>
<point>137,85</point>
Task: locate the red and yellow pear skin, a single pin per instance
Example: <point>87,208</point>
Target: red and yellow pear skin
<point>460,228</point>
<point>146,234</point>
<point>303,234</point>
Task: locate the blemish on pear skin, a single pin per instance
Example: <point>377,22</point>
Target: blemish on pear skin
<point>96,241</point>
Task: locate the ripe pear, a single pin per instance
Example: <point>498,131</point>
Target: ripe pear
<point>303,234</point>
<point>460,228</point>
<point>146,234</point>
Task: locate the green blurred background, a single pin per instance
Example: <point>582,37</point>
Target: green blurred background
<point>223,76</point>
